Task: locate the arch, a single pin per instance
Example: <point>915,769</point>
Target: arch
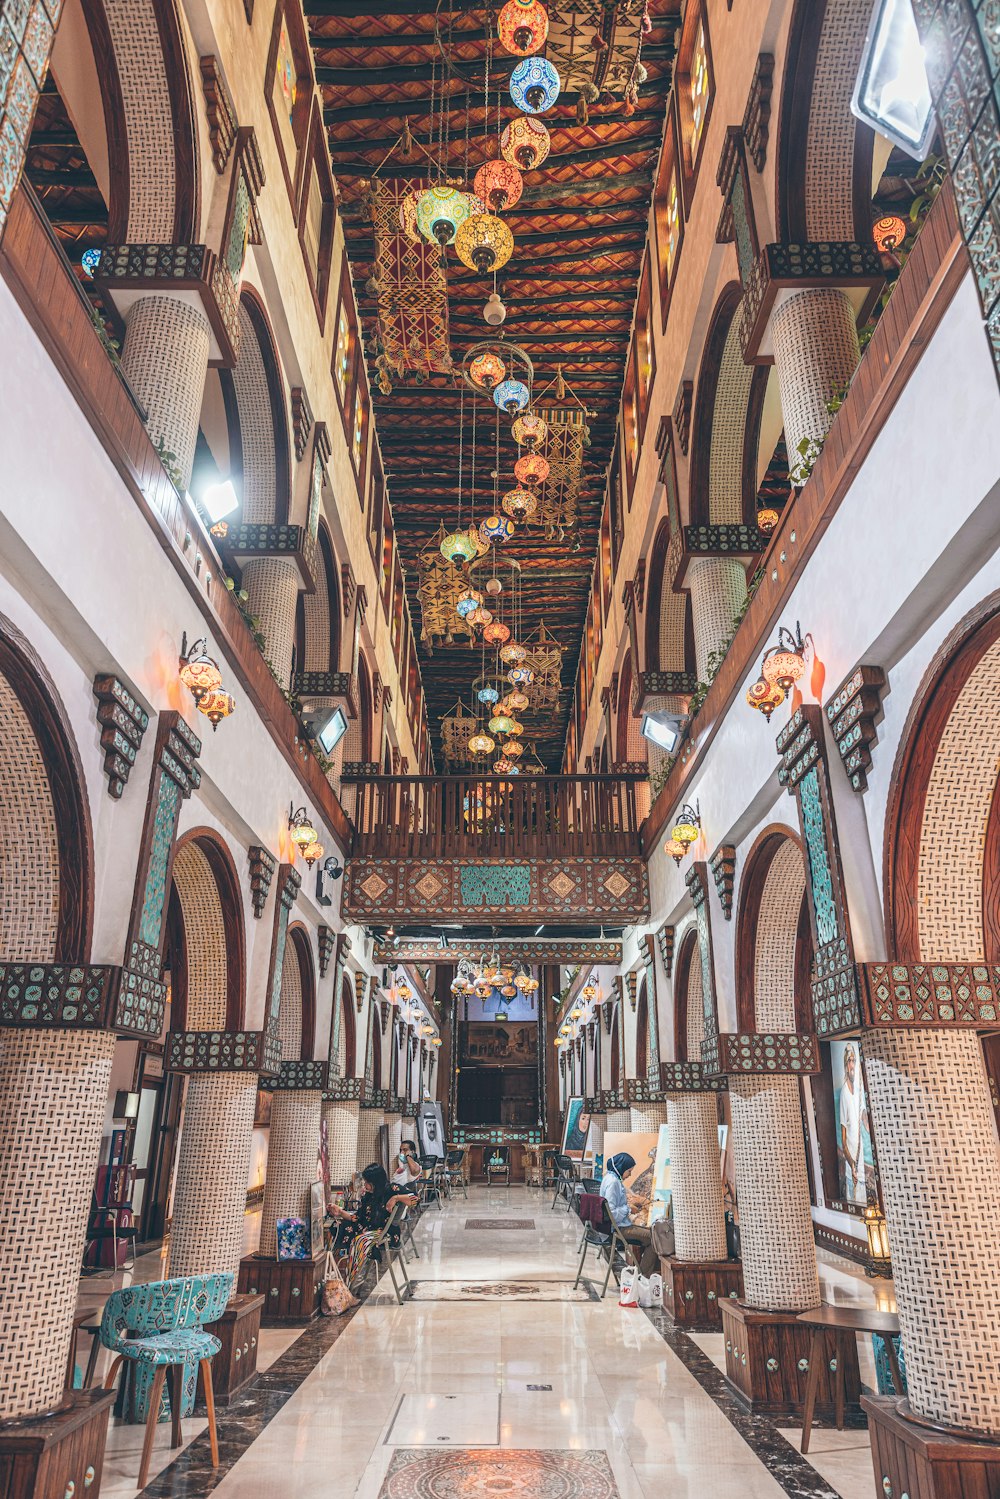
<point>689,1010</point>
<point>773,939</point>
<point>297,1006</point>
<point>616,1053</point>
<point>149,120</point>
<point>630,747</point>
<point>726,426</point>
<point>206,936</point>
<point>46,842</point>
<point>256,414</point>
<point>669,628</point>
<point>376,1044</point>
<point>642,1032</point>
<point>317,616</point>
<point>358,739</point>
<point>941,833</point>
<point>347,1029</point>
<point>823,161</point>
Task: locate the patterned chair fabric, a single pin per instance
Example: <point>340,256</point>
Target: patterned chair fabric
<point>163,1322</point>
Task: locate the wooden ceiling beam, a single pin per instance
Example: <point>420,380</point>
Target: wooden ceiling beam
<point>609,150</point>
<point>561,117</point>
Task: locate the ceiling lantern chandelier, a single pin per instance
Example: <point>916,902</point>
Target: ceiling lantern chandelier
<point>525,143</point>
<point>481,744</point>
<point>499,184</point>
<point>496,529</point>
<point>512,748</point>
<point>522,27</point>
<point>484,243</point>
<point>488,695</point>
<point>529,430</point>
<point>481,617</point>
<point>511,396</point>
<point>516,700</point>
<point>513,653</point>
<point>487,370</point>
<point>534,85</point>
<point>502,723</point>
<point>440,212</point>
<point>532,470</point>
<point>519,503</point>
<point>504,767</point>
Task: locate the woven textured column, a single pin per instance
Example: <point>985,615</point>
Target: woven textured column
<point>53,1094</point>
<point>646,1119</point>
<point>776,1235</point>
<point>292,1151</point>
<point>695,1177</point>
<point>273,586</point>
<point>342,1140</point>
<point>213,1167</point>
<point>368,1127</point>
<point>815,354</point>
<point>937,1154</point>
<point>718,588</point>
<point>165,359</point>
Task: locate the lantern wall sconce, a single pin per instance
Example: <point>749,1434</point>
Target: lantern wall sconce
<point>304,835</point>
<point>201,676</point>
<point>782,666</point>
<point>685,831</point>
<point>879,1259</point>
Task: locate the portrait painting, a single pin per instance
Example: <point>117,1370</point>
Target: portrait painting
<point>855,1160</point>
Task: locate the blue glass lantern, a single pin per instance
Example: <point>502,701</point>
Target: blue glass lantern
<point>496,528</point>
<point>488,695</point>
<point>467,604</point>
<point>511,396</point>
<point>90,260</point>
<point>521,676</point>
<point>534,85</point>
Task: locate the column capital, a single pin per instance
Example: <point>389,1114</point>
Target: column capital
<point>214,1051</point>
<point>249,542</point>
<point>782,270</point>
<point>186,273</point>
<point>937,996</point>
<point>766,1054</point>
<point>689,1077</point>
<point>298,1077</point>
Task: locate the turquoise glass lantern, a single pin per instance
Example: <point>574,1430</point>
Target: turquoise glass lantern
<point>90,260</point>
<point>488,695</point>
<point>440,212</point>
<point>511,396</point>
<point>467,604</point>
<point>534,85</point>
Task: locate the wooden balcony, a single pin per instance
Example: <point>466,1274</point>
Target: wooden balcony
<point>451,847</point>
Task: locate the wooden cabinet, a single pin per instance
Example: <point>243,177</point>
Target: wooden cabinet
<point>60,1455</point>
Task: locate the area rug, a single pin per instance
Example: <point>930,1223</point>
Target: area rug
<point>482,1473</point>
<point>504,1290</point>
<point>508,1225</point>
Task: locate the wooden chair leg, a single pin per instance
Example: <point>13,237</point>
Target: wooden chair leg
<point>155,1395</point>
<point>175,1386</point>
<point>213,1435</point>
<point>812,1383</point>
<point>109,1378</point>
<point>95,1348</point>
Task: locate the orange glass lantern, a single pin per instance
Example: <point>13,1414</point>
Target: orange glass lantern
<point>888,233</point>
<point>765,697</point>
<point>522,27</point>
<point>499,184</point>
<point>784,664</point>
<point>496,633</point>
<point>198,670</point>
<point>532,470</point>
<point>525,143</point>
<point>487,370</point>
<point>767,519</point>
<point>216,705</point>
<point>529,430</point>
<point>519,503</point>
<point>675,850</point>
<point>480,616</point>
<point>512,653</point>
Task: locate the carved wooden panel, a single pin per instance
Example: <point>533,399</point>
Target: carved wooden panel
<point>854,712</point>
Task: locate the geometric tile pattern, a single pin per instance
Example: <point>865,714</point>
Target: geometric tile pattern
<point>829,145</point>
<point>213,1168</point>
<point>725,468</point>
<point>768,1052</point>
<point>695,1177</point>
<point>149,126</point>
<point>718,587</point>
<point>25,45</point>
<point>774,947</point>
<point>406,888</point>
<point>292,1152</point>
<point>341,1121</point>
<point>921,994</point>
<point>415,1473</point>
<point>205,938</point>
<point>369,1121</point>
<point>53,1094</point>
<point>29,845</point>
<point>854,711</point>
<point>123,723</point>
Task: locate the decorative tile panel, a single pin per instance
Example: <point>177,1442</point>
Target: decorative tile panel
<point>27,31</point>
<point>344,1089</point>
<point>901,995</point>
<point>724,540</point>
<point>123,722</point>
<point>421,888</point>
<point>296,1077</point>
<point>845,263</point>
<point>169,267</point>
<point>338,684</point>
<point>753,1052</point>
<point>58,995</point>
<point>665,684</point>
<point>854,712</point>
<point>214,1051</point>
<point>723,867</point>
<point>689,1077</point>
<point>262,867</point>
<point>289,884</point>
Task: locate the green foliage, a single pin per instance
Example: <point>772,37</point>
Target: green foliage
<point>808,451</point>
<point>111,345</point>
<point>171,463</point>
<point>930,179</point>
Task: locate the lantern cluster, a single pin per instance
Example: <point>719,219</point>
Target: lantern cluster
<point>200,674</point>
<point>782,667</point>
<point>685,832</point>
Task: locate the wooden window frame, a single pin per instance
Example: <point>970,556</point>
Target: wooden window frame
<point>290,12</point>
<point>345,306</point>
<point>317,159</point>
<point>376,503</point>
<point>696,15</point>
<point>359,459</point>
<point>644,333</point>
<point>388,548</point>
<point>605,556</point>
<point>669,171</point>
<point>630,409</point>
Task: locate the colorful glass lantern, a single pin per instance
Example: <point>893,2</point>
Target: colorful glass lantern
<point>767,519</point>
<point>498,184</point>
<point>522,27</point>
<point>888,233</point>
<point>496,633</point>
<point>501,724</point>
<point>512,748</point>
<point>532,470</point>
<point>496,529</point>
<point>468,603</point>
<point>688,826</point>
<point>534,85</point>
<point>89,260</point>
<point>312,852</point>
<point>488,695</point>
<point>519,503</point>
<point>487,370</point>
<point>479,546</point>
<point>515,727</point>
<point>440,212</point>
<point>494,587</point>
<point>484,243</point>
<point>480,617</point>
<point>783,669</point>
<point>513,653</point>
<point>529,430</point>
<point>503,767</point>
<point>481,744</point>
<point>675,850</point>
<point>509,991</point>
<point>590,991</point>
<point>525,143</point>
<point>458,547</point>
<point>516,700</point>
<point>301,829</point>
<point>511,396</point>
<point>484,991</point>
<point>521,676</point>
<point>216,705</point>
<point>765,697</point>
<point>198,671</point>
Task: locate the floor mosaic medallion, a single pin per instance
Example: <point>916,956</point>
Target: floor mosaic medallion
<point>504,1290</point>
<point>508,1225</point>
<point>489,1474</point>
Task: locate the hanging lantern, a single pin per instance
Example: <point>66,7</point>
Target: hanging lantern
<point>879,1258</point>
<point>675,850</point>
<point>765,697</point>
<point>89,261</point>
<point>767,519</point>
<point>521,676</point>
<point>440,211</point>
<point>484,991</point>
<point>590,991</point>
<point>513,653</point>
<point>498,184</point>
<point>488,695</point>
<point>509,991</point>
<point>516,700</point>
<point>480,617</point>
<point>312,852</point>
<point>525,143</point>
<point>494,587</point>
<point>511,396</point>
<point>484,243</point>
<point>496,633</point>
<point>487,370</point>
<point>512,749</point>
<point>888,234</point>
<point>216,705</point>
<point>496,529</point>
<point>301,829</point>
<point>688,826</point>
<point>469,601</point>
<point>501,723</point>
<point>523,26</point>
<point>458,547</point>
<point>481,744</point>
<point>198,670</point>
<point>519,503</point>
<point>503,767</point>
<point>784,664</point>
<point>529,430</point>
<point>534,85</point>
<point>532,470</point>
<point>516,727</point>
<point>408,215</point>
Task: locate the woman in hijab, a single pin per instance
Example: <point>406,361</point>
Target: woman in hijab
<point>615,1194</point>
<point>378,1199</point>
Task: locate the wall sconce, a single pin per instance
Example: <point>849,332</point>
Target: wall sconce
<point>200,674</point>
<point>591,990</point>
<point>685,831</point>
<point>436,1041</point>
<point>304,835</point>
<point>403,992</point>
<point>879,1260</point>
<point>781,666</point>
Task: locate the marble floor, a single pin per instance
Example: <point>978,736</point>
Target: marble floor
<point>564,1399</point>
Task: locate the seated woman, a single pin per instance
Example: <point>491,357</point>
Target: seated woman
<point>620,1206</point>
<point>407,1168</point>
<point>379,1197</point>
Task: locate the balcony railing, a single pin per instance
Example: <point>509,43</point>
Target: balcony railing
<point>488,817</point>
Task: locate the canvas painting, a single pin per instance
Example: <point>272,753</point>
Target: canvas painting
<point>660,1199</point>
<point>317,1212</point>
<point>293,1239</point>
<point>642,1148</point>
<point>576,1129</point>
<point>855,1160</point>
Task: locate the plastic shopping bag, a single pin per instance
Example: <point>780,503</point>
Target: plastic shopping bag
<point>627,1289</point>
<point>656,1289</point>
<point>643,1294</point>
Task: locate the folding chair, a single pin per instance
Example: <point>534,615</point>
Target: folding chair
<point>498,1163</point>
<point>406,1234</point>
<point>589,1184</point>
<point>392,1252</point>
<point>565,1179</point>
<point>601,1233</point>
<point>454,1170</point>
<point>430,1187</point>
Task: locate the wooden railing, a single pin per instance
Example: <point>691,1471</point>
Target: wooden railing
<point>530,817</point>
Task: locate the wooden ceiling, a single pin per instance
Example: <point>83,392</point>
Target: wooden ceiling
<point>570,286</point>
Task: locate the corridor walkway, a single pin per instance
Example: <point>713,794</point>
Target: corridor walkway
<point>498,1379</point>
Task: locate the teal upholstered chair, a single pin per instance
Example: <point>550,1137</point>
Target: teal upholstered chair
<point>160,1329</point>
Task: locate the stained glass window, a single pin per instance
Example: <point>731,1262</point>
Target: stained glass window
<point>699,86</point>
<point>342,357</point>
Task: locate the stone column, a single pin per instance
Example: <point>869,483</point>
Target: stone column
<point>937,1153</point>
<point>368,1126</point>
<point>815,338</point>
<point>619,1122</point>
<point>291,1160</point>
<point>342,1139</point>
<point>213,1166</point>
<point>718,588</point>
<point>53,1094</point>
<point>776,1234</point>
<point>165,360</point>
<point>646,1120</point>
<point>695,1177</point>
<point>395,1126</point>
<point>273,586</point>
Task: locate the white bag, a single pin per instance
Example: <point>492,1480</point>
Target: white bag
<point>626,1288</point>
<point>643,1293</point>
<point>656,1289</point>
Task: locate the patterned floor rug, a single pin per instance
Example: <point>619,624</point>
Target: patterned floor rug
<point>504,1290</point>
<point>484,1474</point>
<point>508,1225</point>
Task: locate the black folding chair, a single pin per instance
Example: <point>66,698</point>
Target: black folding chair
<point>454,1171</point>
<point>565,1180</point>
<point>430,1188</point>
<point>600,1233</point>
<point>498,1163</point>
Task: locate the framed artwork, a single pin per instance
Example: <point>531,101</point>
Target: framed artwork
<point>855,1158</point>
<point>575,1130</point>
<point>642,1148</point>
<point>317,1212</point>
<point>430,1130</point>
<point>659,1202</point>
<point>293,1239</point>
<point>262,1109</point>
